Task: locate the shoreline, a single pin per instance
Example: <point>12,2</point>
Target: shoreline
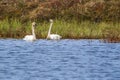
<point>101,39</point>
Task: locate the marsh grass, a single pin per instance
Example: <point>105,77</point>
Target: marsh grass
<point>67,29</point>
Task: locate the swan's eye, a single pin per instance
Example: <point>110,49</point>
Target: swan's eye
<point>34,24</point>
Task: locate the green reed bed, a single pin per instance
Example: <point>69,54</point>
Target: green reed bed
<point>10,29</point>
<point>67,29</point>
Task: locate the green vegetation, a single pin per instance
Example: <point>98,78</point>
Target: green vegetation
<point>67,29</point>
<point>72,18</point>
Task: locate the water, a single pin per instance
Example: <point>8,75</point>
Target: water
<point>59,60</point>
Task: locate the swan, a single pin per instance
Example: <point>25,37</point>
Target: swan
<point>33,36</point>
<point>52,36</point>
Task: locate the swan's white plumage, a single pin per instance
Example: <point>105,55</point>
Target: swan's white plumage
<point>33,36</point>
<point>52,36</point>
<point>29,38</point>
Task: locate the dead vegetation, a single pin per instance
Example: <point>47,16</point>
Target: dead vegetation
<point>94,10</point>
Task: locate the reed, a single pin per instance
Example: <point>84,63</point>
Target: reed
<point>71,29</point>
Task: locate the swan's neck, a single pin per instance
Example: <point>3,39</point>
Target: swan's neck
<point>50,29</point>
<point>33,32</point>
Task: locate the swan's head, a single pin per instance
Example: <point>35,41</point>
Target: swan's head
<point>34,24</point>
<point>51,21</point>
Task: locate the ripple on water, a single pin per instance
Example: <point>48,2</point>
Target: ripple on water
<point>59,60</point>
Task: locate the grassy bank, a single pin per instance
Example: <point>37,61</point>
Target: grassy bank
<point>67,29</point>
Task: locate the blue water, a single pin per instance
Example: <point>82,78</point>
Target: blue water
<point>59,60</point>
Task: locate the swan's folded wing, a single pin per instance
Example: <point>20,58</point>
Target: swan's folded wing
<point>29,38</point>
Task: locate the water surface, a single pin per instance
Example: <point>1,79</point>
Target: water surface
<point>59,60</point>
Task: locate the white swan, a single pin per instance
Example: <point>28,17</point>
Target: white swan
<point>52,36</point>
<point>33,36</point>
